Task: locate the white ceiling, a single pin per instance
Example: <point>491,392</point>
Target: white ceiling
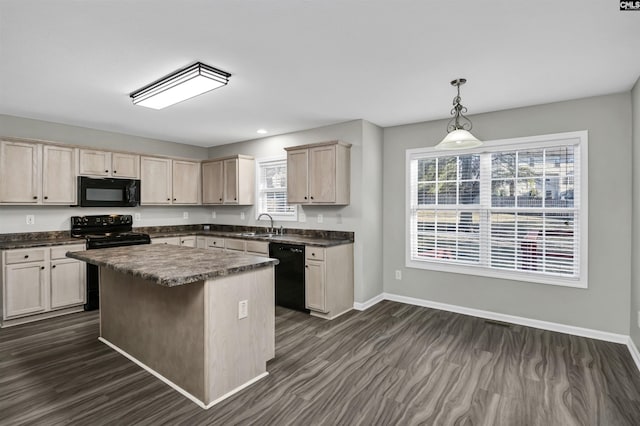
<point>299,64</point>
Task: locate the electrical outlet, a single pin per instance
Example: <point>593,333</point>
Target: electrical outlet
<point>242,216</point>
<point>302,217</point>
<point>213,214</point>
<point>31,219</point>
<point>339,218</point>
<point>320,218</point>
<point>185,215</point>
<point>398,274</point>
<point>243,309</point>
<point>137,217</point>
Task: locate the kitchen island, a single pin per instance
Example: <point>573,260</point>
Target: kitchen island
<point>176,311</point>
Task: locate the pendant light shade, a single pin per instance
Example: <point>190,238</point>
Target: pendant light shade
<point>459,136</point>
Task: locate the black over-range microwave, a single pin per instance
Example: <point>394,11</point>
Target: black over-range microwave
<point>94,192</point>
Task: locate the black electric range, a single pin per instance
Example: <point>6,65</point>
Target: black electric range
<point>103,231</point>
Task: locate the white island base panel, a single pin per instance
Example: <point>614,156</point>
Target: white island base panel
<point>190,336</point>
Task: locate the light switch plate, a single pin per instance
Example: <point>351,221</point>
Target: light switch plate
<point>398,274</point>
<point>243,309</point>
<point>31,219</point>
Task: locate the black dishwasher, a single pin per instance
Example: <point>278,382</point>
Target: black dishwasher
<point>289,275</point>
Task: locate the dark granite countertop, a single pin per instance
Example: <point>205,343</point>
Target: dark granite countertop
<point>285,238</point>
<point>40,242</point>
<point>171,266</point>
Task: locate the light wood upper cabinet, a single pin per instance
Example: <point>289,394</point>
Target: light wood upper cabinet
<point>109,164</point>
<point>319,173</point>
<point>95,163</point>
<point>212,182</point>
<point>166,181</point>
<point>32,173</point>
<point>229,180</point>
<point>19,173</point>
<point>186,182</point>
<point>297,176</point>
<point>156,180</point>
<point>59,175</point>
<point>125,165</point>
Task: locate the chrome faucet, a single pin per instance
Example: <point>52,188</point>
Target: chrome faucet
<point>270,218</point>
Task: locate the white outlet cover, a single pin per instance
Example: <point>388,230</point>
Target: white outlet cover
<point>213,214</point>
<point>243,309</point>
<point>185,215</point>
<point>398,274</point>
<point>242,215</point>
<point>31,219</point>
<point>320,218</point>
<point>137,217</point>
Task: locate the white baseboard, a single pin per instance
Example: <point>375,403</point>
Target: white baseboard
<point>544,325</point>
<point>183,392</point>
<point>369,303</point>
<point>635,354</point>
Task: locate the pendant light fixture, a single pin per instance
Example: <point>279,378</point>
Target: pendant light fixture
<point>458,127</point>
<point>181,85</point>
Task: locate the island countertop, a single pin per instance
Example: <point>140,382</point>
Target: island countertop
<point>171,266</point>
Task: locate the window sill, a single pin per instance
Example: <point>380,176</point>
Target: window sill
<point>480,271</point>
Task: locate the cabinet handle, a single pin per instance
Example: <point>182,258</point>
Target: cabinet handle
<point>312,198</point>
<point>35,197</point>
<point>46,198</point>
<point>235,199</point>
<point>306,266</point>
<point>42,267</point>
<point>114,172</point>
<point>26,256</point>
<point>313,254</point>
<point>53,266</point>
<point>174,199</point>
<point>220,199</point>
<point>168,199</point>
<point>305,198</point>
<point>106,171</point>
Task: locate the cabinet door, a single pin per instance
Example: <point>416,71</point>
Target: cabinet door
<point>315,285</point>
<point>297,176</point>
<point>231,181</point>
<point>24,289</point>
<point>155,180</point>
<point>125,166</point>
<point>19,165</point>
<point>68,283</point>
<point>186,182</point>
<point>322,174</point>
<point>212,182</point>
<point>95,163</point>
<point>59,175</point>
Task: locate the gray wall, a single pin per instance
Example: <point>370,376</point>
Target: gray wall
<point>605,304</point>
<point>12,218</point>
<point>635,252</point>
<point>362,215</point>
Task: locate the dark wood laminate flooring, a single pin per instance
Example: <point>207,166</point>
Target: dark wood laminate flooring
<point>393,364</point>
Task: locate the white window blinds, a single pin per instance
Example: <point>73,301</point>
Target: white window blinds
<point>510,209</point>
<point>272,190</point>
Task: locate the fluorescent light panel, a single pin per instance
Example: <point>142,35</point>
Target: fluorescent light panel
<point>184,84</point>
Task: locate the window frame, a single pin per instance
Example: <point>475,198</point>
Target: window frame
<point>280,217</point>
<point>579,139</point>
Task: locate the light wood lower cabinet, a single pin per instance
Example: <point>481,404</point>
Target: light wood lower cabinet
<point>41,282</point>
<point>329,280</point>
<point>174,241</point>
<point>188,241</point>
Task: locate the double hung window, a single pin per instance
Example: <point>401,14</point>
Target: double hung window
<point>272,189</point>
<point>510,209</point>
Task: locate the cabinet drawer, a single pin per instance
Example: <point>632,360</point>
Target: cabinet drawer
<point>258,247</point>
<point>174,241</point>
<point>314,253</point>
<point>26,255</point>
<point>214,242</point>
<point>237,245</point>
<point>61,251</point>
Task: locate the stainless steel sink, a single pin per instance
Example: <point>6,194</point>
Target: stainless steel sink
<point>256,234</point>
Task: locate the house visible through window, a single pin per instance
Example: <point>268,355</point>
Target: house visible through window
<point>510,209</point>
<point>272,189</point>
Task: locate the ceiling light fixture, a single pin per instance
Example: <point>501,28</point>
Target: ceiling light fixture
<point>262,131</point>
<point>458,127</point>
<point>181,85</point>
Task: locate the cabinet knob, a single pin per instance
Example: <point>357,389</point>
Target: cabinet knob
<point>306,266</point>
<point>174,199</point>
<point>46,198</point>
<point>305,198</point>
<point>235,199</point>
<point>26,256</point>
<point>313,254</point>
<point>53,266</point>
<point>35,197</point>
<point>168,199</point>
<point>42,267</point>
<point>312,198</point>
<point>114,172</point>
<point>220,199</point>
